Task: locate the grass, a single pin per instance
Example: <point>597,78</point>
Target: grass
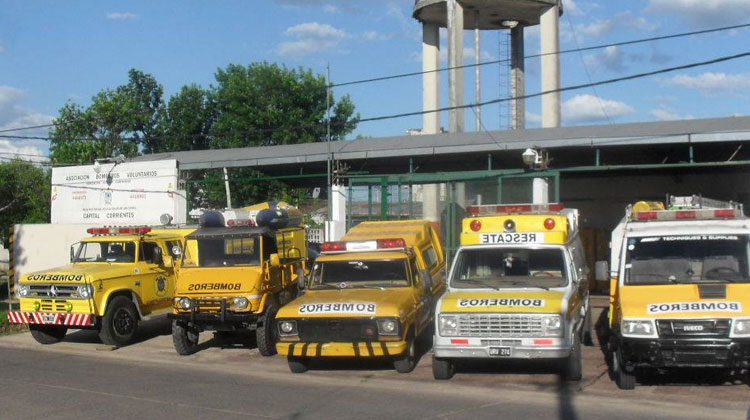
<point>6,328</point>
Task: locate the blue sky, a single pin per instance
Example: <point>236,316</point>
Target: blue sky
<point>57,51</point>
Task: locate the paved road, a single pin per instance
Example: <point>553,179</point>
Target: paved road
<point>81,378</point>
<point>38,384</point>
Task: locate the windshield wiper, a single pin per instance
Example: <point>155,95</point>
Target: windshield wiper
<point>481,283</point>
<point>516,283</point>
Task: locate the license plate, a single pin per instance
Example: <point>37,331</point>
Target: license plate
<point>500,351</point>
<point>48,319</point>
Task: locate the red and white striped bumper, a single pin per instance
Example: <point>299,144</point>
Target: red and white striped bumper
<point>51,318</point>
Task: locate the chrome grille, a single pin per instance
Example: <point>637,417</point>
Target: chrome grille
<point>46,290</point>
<point>499,325</point>
<point>50,305</point>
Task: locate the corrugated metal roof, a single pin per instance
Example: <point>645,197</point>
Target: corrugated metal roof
<point>652,133</point>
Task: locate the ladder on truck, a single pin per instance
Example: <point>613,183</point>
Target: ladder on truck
<point>698,202</point>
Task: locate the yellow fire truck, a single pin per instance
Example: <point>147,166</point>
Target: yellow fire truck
<point>517,290</point>
<point>371,295</point>
<point>116,277</point>
<point>237,272</point>
<point>679,288</point>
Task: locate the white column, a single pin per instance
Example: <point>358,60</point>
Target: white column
<point>336,228</point>
<point>477,78</point>
<point>455,28</point>
<point>517,79</point>
<point>540,191</point>
<point>550,67</point>
<point>430,100</point>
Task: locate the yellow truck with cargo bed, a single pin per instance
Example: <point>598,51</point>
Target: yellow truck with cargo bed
<point>116,277</point>
<point>238,268</point>
<point>518,290</point>
<point>372,294</point>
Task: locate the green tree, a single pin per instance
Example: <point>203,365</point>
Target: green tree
<point>118,121</point>
<point>264,104</point>
<point>186,122</point>
<point>24,195</point>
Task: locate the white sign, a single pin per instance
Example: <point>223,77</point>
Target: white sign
<point>511,238</point>
<point>474,303</point>
<point>340,308</point>
<point>133,193</point>
<point>661,308</point>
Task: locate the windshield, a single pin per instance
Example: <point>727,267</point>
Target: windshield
<point>687,259</point>
<point>509,267</point>
<point>114,251</point>
<point>360,273</point>
<point>222,252</point>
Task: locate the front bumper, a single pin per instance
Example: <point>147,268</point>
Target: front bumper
<point>520,348</point>
<point>52,318</point>
<point>218,318</point>
<point>665,353</point>
<point>358,349</point>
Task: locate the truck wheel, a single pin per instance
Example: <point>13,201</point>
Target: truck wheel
<point>266,333</point>
<point>119,322</point>
<point>623,379</point>
<point>573,369</point>
<point>407,361</point>
<point>298,364</point>
<point>587,333</point>
<point>185,338</point>
<point>442,368</point>
<point>47,334</point>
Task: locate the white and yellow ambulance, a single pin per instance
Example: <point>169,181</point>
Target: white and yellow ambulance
<point>679,288</point>
<point>517,290</point>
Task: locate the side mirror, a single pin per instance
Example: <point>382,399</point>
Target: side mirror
<point>72,254</point>
<point>602,271</point>
<point>158,258</point>
<point>426,278</point>
<point>301,279</point>
<point>176,250</point>
<point>274,260</point>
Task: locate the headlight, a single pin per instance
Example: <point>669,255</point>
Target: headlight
<point>288,328</point>
<point>239,302</point>
<point>22,290</point>
<point>185,303</point>
<point>388,326</point>
<point>448,325</point>
<point>552,325</point>
<point>638,328</point>
<point>85,291</point>
<point>741,328</point>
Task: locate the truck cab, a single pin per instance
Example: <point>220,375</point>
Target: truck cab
<point>518,290</point>
<point>679,287</point>
<point>116,277</point>
<point>372,294</point>
<point>236,273</point>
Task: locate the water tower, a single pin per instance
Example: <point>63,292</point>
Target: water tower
<point>459,15</point>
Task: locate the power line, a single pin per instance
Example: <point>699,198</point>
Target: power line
<point>29,128</point>
<point>594,47</point>
<point>565,89</point>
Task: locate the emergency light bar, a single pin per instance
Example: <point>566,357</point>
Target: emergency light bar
<point>240,222</point>
<point>141,230</point>
<point>375,245</point>
<point>490,209</point>
<point>704,214</point>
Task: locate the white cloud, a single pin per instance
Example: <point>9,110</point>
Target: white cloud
<point>601,27</point>
<point>377,36</point>
<point>121,16</point>
<point>611,59</point>
<point>711,83</point>
<point>329,8</point>
<point>703,13</point>
<point>14,115</point>
<point>666,114</point>
<point>312,37</point>
<point>589,109</point>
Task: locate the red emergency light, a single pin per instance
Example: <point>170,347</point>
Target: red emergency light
<point>372,245</point>
<point>392,243</point>
<point>240,222</point>
<point>333,246</point>
<point>700,214</point>
<point>489,209</point>
<point>140,230</point>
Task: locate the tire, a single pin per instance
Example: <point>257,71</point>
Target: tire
<point>266,333</point>
<point>185,338</point>
<point>47,334</point>
<point>298,364</point>
<point>119,323</point>
<point>573,367</point>
<point>442,369</point>
<point>623,379</point>
<point>407,361</point>
<point>587,331</point>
